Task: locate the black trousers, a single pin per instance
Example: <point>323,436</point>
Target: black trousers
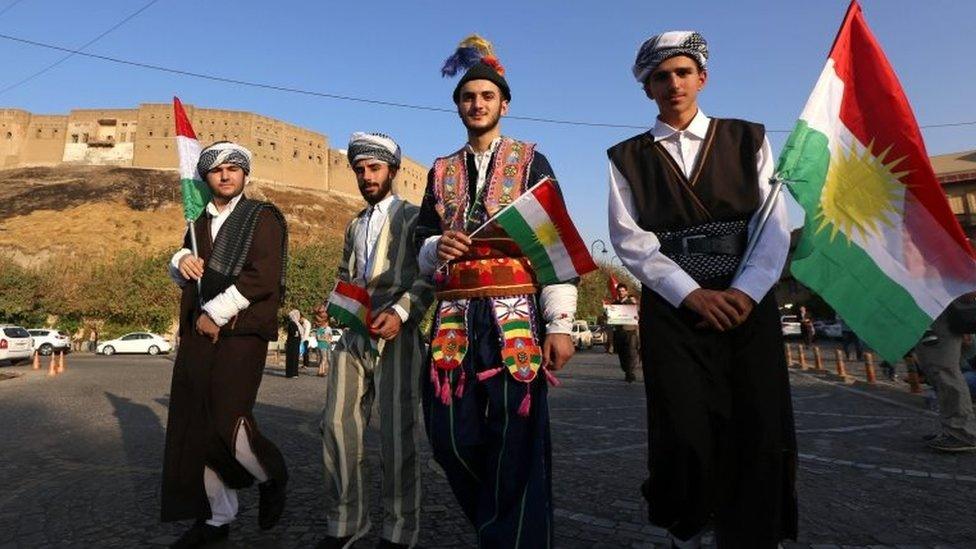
<point>625,343</point>
<point>498,463</point>
<point>720,426</point>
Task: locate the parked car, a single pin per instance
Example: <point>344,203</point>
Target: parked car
<point>16,344</point>
<point>828,329</point>
<point>791,325</point>
<point>600,335</point>
<point>136,342</point>
<point>581,335</point>
<point>47,341</point>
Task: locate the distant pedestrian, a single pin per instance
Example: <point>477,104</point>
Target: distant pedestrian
<point>323,338</point>
<point>625,337</point>
<point>939,359</point>
<point>293,343</point>
<point>807,330</point>
<point>92,340</point>
<point>848,340</point>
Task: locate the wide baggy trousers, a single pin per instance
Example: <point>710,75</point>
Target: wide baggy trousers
<point>355,380</point>
<point>498,463</point>
<point>720,426</point>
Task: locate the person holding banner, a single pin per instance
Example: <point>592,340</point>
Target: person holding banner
<point>387,300</point>
<point>684,198</point>
<point>625,336</point>
<point>232,288</point>
<point>501,323</point>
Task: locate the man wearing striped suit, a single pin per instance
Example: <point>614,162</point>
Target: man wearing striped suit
<point>379,254</point>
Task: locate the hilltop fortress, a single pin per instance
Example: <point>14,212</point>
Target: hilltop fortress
<point>144,137</point>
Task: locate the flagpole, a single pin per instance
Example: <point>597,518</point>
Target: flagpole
<point>764,213</point>
<point>193,248</point>
<point>498,213</point>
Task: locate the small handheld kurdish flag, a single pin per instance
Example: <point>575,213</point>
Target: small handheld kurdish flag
<point>349,304</point>
<point>880,244</point>
<point>195,192</point>
<point>540,225</point>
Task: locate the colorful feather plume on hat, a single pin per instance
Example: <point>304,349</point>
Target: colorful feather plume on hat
<point>469,52</point>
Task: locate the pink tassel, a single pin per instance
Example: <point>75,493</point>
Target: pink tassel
<point>435,379</point>
<point>446,391</point>
<point>489,373</point>
<point>551,378</point>
<point>460,386</point>
<point>526,403</point>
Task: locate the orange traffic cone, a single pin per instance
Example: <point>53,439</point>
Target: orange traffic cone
<point>37,361</point>
<point>51,367</point>
<point>61,362</point>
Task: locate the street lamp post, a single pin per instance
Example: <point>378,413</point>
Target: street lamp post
<point>603,249</point>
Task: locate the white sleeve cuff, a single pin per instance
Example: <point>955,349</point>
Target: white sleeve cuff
<point>226,305</point>
<point>558,302</point>
<point>401,312</point>
<point>174,267</point>
<point>676,286</point>
<point>427,258</point>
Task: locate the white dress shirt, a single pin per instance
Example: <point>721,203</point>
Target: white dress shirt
<point>367,233</point>
<point>230,302</point>
<point>557,301</point>
<point>639,250</point>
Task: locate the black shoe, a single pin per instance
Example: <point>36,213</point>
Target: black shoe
<point>387,544</point>
<point>272,503</point>
<point>333,543</point>
<point>201,534</point>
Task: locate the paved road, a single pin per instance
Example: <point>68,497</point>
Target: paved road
<point>81,463</point>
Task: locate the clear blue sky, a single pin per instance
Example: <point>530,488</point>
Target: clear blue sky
<point>565,60</point>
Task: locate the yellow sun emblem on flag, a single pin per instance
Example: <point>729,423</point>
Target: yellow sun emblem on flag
<point>860,192</point>
<point>547,233</point>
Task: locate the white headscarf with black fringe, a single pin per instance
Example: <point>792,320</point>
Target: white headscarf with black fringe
<point>223,152</point>
<point>666,45</point>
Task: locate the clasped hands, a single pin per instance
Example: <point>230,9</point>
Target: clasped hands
<point>719,309</point>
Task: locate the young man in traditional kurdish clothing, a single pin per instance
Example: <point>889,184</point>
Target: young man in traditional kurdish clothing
<point>379,255</point>
<point>485,403</point>
<point>683,199</point>
<point>228,314</point>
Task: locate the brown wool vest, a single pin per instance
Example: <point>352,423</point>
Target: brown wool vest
<point>722,186</point>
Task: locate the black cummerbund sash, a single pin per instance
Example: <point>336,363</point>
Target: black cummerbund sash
<point>710,252</point>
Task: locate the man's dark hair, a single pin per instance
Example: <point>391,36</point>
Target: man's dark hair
<point>622,285</point>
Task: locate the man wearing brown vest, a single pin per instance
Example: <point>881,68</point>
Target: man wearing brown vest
<point>682,202</point>
<point>231,293</point>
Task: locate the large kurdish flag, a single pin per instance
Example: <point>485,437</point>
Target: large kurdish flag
<point>349,304</point>
<point>538,222</point>
<point>195,191</point>
<point>880,243</point>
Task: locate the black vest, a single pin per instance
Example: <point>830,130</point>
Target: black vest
<point>723,185</point>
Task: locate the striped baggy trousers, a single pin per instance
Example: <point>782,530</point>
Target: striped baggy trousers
<point>355,380</point>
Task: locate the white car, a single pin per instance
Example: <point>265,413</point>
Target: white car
<point>581,335</point>
<point>136,342</point>
<point>50,341</point>
<point>791,325</point>
<point>15,344</point>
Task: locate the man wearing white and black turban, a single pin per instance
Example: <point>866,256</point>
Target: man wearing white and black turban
<point>223,152</point>
<point>663,46</point>
<point>685,195</point>
<point>377,146</point>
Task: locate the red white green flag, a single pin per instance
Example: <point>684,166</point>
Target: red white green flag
<point>194,190</point>
<point>881,244</point>
<point>349,304</point>
<point>540,225</point>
